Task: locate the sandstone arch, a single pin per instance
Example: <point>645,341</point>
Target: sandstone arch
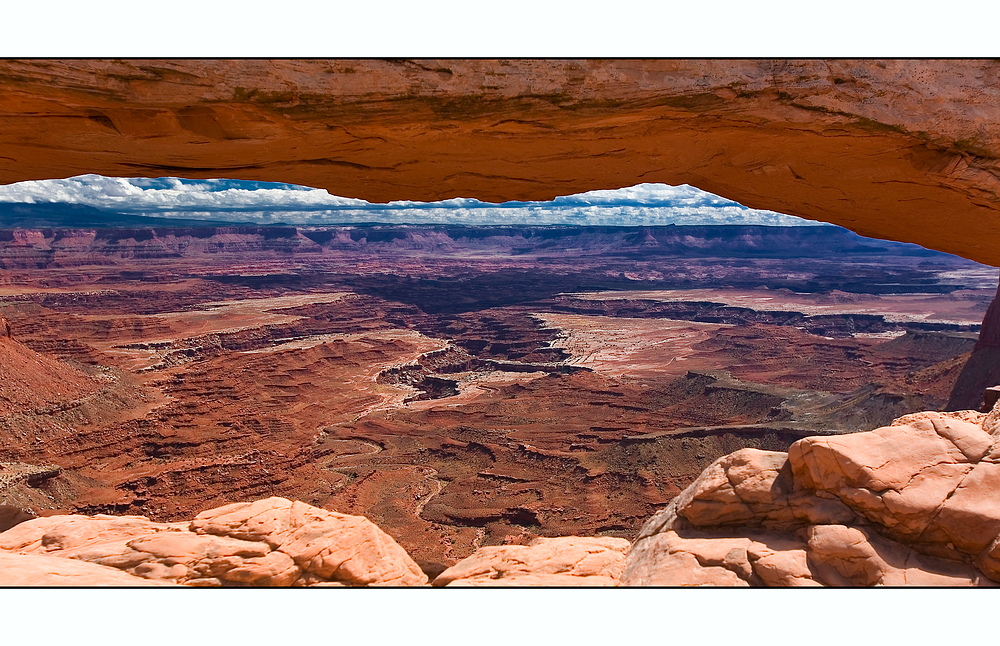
<point>900,149</point>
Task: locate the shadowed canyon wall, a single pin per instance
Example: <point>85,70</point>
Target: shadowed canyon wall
<point>901,149</point>
<point>982,369</point>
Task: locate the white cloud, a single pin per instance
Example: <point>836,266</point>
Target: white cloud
<point>268,202</point>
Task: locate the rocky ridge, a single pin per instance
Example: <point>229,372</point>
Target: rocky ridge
<point>65,245</point>
<point>913,503</point>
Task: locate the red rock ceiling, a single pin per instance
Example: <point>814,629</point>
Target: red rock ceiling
<point>896,149</point>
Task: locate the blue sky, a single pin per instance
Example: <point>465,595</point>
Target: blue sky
<point>269,202</point>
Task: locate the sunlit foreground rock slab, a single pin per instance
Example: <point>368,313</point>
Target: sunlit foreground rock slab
<point>566,561</point>
<point>39,570</point>
<point>272,542</point>
<point>914,503</point>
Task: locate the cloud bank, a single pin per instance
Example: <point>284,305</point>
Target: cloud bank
<point>271,203</point>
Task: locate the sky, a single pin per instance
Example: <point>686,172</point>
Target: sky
<point>273,203</point>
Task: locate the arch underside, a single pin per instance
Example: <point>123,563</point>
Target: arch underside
<point>906,150</point>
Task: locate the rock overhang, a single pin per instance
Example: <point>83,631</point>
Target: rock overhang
<point>900,149</point>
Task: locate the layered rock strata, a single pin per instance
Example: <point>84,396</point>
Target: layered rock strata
<point>913,503</point>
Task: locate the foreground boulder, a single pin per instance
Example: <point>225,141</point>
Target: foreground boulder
<point>36,570</point>
<point>565,561</point>
<point>934,483</point>
<point>915,503</point>
<point>272,542</point>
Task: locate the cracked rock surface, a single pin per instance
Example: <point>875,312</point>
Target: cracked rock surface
<point>564,561</point>
<point>271,542</point>
<point>41,570</point>
<point>914,503</point>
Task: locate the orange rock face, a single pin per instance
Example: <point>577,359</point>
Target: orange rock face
<point>271,543</point>
<point>887,148</point>
<point>908,504</point>
<point>36,570</point>
<point>565,561</point>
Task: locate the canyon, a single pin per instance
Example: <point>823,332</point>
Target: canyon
<point>463,388</point>
<point>909,504</point>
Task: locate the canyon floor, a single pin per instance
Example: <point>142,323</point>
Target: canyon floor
<point>458,387</point>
